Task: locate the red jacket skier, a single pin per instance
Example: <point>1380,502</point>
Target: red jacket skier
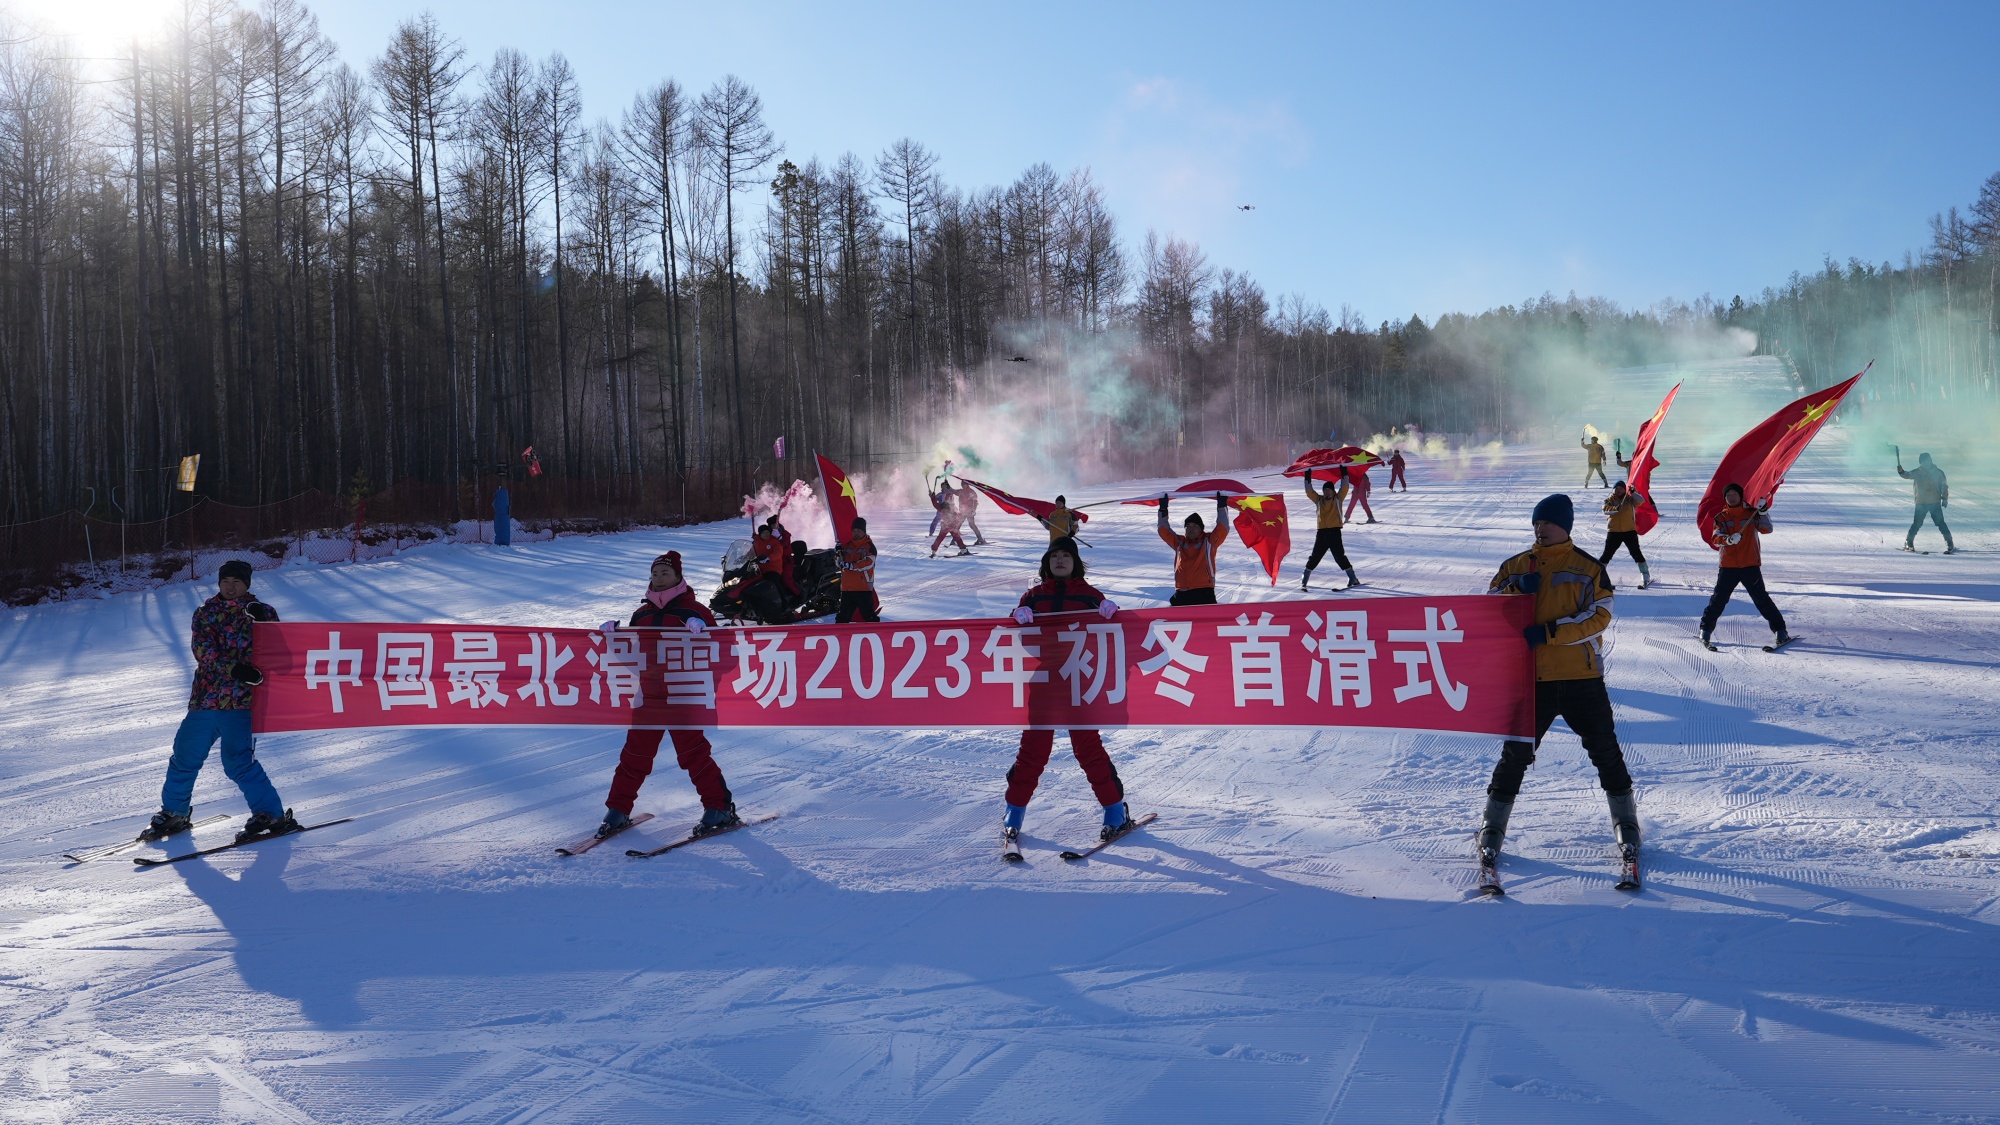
<point>669,604</point>
<point>1062,590</point>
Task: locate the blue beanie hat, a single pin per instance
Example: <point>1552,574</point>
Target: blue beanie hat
<point>1557,510</point>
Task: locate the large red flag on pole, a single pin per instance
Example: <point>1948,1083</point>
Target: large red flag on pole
<point>1640,478</point>
<point>1353,458</point>
<point>1017,505</point>
<point>1759,459</point>
<point>841,501</point>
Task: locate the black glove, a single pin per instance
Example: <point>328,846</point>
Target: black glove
<point>1536,635</point>
<point>259,611</point>
<point>246,673</point>
<point>1528,583</point>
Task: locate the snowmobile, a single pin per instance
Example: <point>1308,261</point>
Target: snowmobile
<point>747,596</point>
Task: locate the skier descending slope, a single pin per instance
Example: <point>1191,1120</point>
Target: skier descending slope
<point>1622,529</point>
<point>1572,607</point>
<point>1327,538</point>
<point>1194,554</point>
<point>669,603</point>
<point>219,708</point>
<point>1737,529</point>
<point>1062,589</point>
<point>1933,494</point>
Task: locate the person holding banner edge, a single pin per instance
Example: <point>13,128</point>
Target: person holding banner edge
<point>219,709</point>
<point>1572,608</point>
<point>1194,553</point>
<point>1062,589</point>
<point>668,603</point>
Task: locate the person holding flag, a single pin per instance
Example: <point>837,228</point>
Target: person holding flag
<point>1194,553</point>
<point>856,559</point>
<point>949,515</point>
<point>1061,521</point>
<point>1062,589</point>
<point>1622,529</point>
<point>1738,528</point>
<point>1327,538</point>
<point>1572,609</point>
<point>668,603</point>
<point>968,508</point>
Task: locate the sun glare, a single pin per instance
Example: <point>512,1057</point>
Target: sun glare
<point>96,27</point>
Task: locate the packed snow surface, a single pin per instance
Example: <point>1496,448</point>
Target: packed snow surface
<point>1293,940</point>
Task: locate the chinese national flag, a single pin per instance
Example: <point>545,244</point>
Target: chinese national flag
<point>1640,478</point>
<point>1353,458</point>
<point>1017,505</point>
<point>1759,459</point>
<point>1262,526</point>
<point>840,499</point>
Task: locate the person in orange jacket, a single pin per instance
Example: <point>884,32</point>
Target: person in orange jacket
<point>856,559</point>
<point>1737,530</point>
<point>1194,554</point>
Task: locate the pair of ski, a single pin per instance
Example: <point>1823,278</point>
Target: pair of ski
<point>146,837</point>
<point>1786,643</point>
<point>592,840</point>
<point>1489,871</point>
<point>1010,846</point>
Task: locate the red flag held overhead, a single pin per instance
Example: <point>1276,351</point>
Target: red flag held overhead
<point>1759,459</point>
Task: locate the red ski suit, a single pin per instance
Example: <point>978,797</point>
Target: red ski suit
<point>691,748</point>
<point>1058,595</point>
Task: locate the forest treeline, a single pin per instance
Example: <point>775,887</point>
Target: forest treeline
<point>316,276</point>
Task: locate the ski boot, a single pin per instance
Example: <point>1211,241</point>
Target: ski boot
<point>1625,829</point>
<point>1950,550</point>
<point>1645,576</point>
<point>1305,582</point>
<point>962,552</point>
<point>614,823</point>
<point>1708,639</point>
<point>715,820</point>
<point>1010,833</point>
<point>165,824</point>
<point>1492,832</point>
<point>1353,579</point>
<point>261,825</point>
<point>1117,822</point>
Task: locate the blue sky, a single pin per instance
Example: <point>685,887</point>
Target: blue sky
<point>1401,159</point>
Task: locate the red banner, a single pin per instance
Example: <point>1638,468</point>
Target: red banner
<point>1408,663</point>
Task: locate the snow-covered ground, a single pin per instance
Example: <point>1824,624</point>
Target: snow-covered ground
<point>1292,941</point>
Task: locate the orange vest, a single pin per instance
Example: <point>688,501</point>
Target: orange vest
<point>857,564</point>
<point>1194,559</point>
<point>1743,521</point>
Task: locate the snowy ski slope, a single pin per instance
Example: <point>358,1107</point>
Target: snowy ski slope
<point>1292,941</point>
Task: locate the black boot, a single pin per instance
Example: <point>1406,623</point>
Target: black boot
<point>165,824</point>
<point>261,825</point>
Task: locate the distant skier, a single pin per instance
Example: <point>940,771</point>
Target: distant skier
<point>1061,521</point>
<point>945,500</point>
<point>968,508</point>
<point>668,604</point>
<point>1396,471</point>
<point>1622,529</point>
<point>1360,494</point>
<point>1328,500</point>
<point>1572,608</point>
<point>1933,496</point>
<point>1737,530</point>
<point>1594,451</point>
<point>1194,554</point>
<point>1062,589</point>
<point>219,709</point>
<point>856,559</point>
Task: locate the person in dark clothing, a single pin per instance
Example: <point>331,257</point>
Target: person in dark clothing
<point>1396,464</point>
<point>219,709</point>
<point>1933,496</point>
<point>669,604</point>
<point>1572,608</point>
<point>1062,589</point>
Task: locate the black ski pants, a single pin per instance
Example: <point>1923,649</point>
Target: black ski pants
<point>1328,540</point>
<point>1586,707</point>
<point>1751,578</point>
<point>1936,513</point>
<point>1616,539</point>
<point>1204,595</point>
<point>858,605</point>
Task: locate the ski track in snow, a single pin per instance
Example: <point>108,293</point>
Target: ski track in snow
<point>1293,940</point>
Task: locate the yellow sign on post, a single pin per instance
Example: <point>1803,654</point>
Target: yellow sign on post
<point>190,465</point>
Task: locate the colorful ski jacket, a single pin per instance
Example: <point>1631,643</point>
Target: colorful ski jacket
<point>1328,498</point>
<point>1747,523</point>
<point>220,638</point>
<point>1574,596</point>
<point>857,564</point>
<point>1061,523</point>
<point>1623,510</point>
<point>1059,595</point>
<point>1194,557</point>
<point>671,608</point>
